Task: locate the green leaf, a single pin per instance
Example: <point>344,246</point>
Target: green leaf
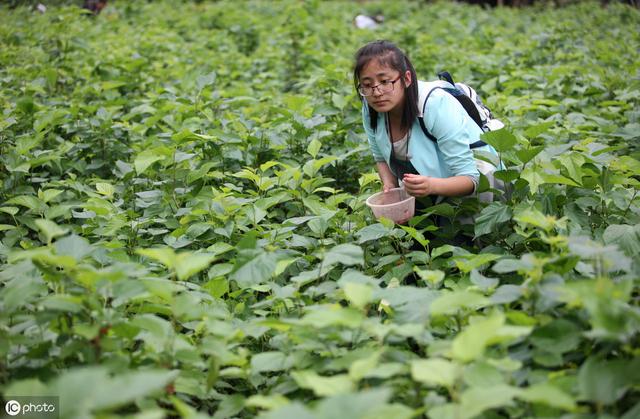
<point>255,271</point>
<point>318,225</point>
<point>472,341</point>
<point>145,159</point>
<point>372,232</point>
<point>439,251</point>
<point>62,302</point>
<point>112,84</point>
<point>491,217</point>
<point>271,402</point>
<point>230,406</point>
<point>218,286</point>
<point>394,410</point>
<point>10,210</point>
<point>50,229</point>
<point>502,140</point>
<point>525,264</point>
<point>323,386</point>
<point>363,366</point>
<point>77,399</point>
<point>26,387</point>
<point>49,195</point>
<point>164,255</point>
<point>627,237</point>
<point>548,394</point>
<point>632,413</point>
<point>572,163</point>
<point>482,374</point>
<point>628,163</point>
<point>476,400</point>
<point>508,175</point>
<point>205,80</point>
<point>358,294</point>
<point>467,263</point>
<point>416,235</point>
<point>525,155</point>
<point>314,147</point>
<point>157,327</point>
<point>451,302</point>
<point>481,281</point>
<point>188,264</point>
<point>557,179</point>
<point>558,336</point>
<point>535,218</point>
<point>294,410</point>
<point>470,344</point>
<point>534,176</point>
<point>431,277</point>
<point>362,405</point>
<point>332,315</point>
<point>436,372</point>
<point>22,290</point>
<point>28,201</point>
<point>345,254</point>
<point>506,294</point>
<point>535,130</point>
<point>105,189</point>
<point>73,245</point>
<point>445,411</point>
<point>44,255</point>
<point>605,382</point>
<point>269,361</point>
<point>409,304</point>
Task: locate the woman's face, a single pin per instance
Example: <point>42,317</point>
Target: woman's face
<point>375,74</point>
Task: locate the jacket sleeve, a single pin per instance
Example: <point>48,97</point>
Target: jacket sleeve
<point>447,120</point>
<point>371,135</point>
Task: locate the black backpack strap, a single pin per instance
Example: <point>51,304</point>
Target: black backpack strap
<point>477,144</point>
<point>466,103</point>
<point>421,118</point>
<point>445,75</point>
<point>464,100</point>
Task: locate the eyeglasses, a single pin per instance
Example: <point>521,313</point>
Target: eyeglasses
<point>385,86</point>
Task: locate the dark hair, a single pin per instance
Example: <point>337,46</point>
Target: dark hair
<point>387,53</point>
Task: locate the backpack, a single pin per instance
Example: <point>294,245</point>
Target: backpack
<point>477,111</point>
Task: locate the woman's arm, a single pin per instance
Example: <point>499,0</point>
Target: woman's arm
<point>418,185</point>
<point>449,123</point>
<point>389,180</point>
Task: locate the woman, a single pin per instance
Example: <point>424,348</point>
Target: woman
<point>386,80</point>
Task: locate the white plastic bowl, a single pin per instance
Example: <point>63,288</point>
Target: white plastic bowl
<point>396,205</point>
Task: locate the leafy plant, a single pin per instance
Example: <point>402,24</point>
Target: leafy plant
<point>182,217</point>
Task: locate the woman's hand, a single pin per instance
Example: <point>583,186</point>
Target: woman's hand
<point>418,185</point>
<point>387,177</point>
<point>387,187</point>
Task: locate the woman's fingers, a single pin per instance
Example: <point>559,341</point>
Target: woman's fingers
<point>414,179</point>
<point>416,185</point>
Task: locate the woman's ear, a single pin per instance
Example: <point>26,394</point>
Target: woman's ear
<point>407,78</point>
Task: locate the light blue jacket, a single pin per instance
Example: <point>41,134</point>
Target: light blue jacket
<point>444,118</point>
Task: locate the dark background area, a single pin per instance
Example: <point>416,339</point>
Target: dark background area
<point>97,5</point>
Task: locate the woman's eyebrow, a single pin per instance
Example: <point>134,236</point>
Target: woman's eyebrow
<point>383,74</point>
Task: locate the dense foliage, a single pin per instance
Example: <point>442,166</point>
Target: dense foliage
<point>183,228</point>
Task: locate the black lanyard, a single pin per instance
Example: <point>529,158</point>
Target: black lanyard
<point>397,166</point>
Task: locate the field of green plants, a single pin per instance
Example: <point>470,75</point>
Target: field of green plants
<point>184,234</point>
